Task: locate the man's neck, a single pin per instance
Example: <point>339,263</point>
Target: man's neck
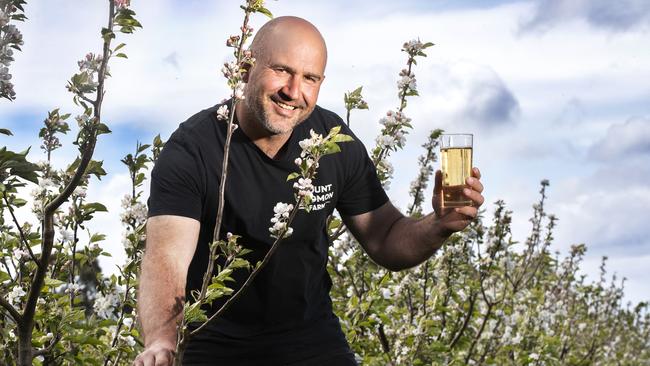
<point>269,143</point>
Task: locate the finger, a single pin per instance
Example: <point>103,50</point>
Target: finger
<point>139,360</point>
<point>467,211</point>
<point>476,197</point>
<point>163,358</point>
<point>475,184</point>
<point>476,173</point>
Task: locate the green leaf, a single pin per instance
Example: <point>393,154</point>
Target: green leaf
<point>102,129</point>
<point>331,148</point>
<point>139,179</point>
<point>18,202</point>
<point>342,138</point>
<point>5,131</point>
<point>335,130</point>
<point>121,55</point>
<point>292,176</point>
<point>144,147</point>
<point>94,207</point>
<point>119,46</point>
<point>95,168</point>
<point>97,237</point>
<point>4,276</point>
<point>239,263</point>
<point>265,11</point>
<point>53,282</point>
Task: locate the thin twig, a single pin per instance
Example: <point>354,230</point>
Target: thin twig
<point>20,230</point>
<point>224,170</point>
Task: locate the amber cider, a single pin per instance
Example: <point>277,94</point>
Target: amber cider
<point>456,168</point>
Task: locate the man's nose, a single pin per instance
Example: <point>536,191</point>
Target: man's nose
<point>292,87</point>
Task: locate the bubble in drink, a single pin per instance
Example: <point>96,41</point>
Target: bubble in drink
<point>456,168</point>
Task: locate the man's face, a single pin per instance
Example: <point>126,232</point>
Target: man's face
<point>283,85</point>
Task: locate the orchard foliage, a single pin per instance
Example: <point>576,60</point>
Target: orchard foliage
<point>484,298</point>
<point>58,307</point>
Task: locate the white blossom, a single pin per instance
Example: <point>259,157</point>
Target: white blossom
<point>222,113</point>
<point>280,219</point>
<point>230,69</point>
<point>134,212</point>
<point>46,184</point>
<point>311,142</point>
<point>15,295</point>
<point>129,341</point>
<point>386,293</point>
<point>128,322</point>
<point>413,46</point>
<point>304,187</point>
<point>105,305</point>
<point>407,82</point>
<point>386,142</point>
<point>239,90</point>
<point>66,235</point>
<point>20,254</point>
<point>80,191</point>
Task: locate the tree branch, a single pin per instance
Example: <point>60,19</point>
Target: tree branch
<point>15,315</point>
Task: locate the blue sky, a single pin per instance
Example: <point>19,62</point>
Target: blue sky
<point>552,89</point>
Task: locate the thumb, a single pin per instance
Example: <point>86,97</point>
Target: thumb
<point>437,185</point>
<point>436,200</point>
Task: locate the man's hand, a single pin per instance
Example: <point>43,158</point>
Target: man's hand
<point>452,219</point>
<point>158,353</point>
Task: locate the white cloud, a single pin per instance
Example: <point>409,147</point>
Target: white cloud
<point>485,99</point>
<point>619,15</point>
<point>624,141</point>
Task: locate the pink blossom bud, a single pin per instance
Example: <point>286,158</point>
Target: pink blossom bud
<point>232,41</point>
<point>122,3</point>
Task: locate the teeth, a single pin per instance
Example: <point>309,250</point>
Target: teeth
<point>286,106</point>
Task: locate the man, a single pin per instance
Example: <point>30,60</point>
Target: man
<point>285,317</point>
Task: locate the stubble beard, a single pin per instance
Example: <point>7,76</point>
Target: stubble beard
<point>256,105</point>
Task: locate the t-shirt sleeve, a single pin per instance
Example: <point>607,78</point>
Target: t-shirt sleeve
<point>362,190</point>
<point>176,181</point>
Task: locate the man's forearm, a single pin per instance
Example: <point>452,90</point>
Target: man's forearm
<point>410,242</point>
<point>160,300</point>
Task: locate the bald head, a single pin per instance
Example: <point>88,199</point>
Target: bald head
<point>287,31</point>
<point>283,84</point>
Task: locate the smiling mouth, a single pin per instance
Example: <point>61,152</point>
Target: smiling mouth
<point>283,105</point>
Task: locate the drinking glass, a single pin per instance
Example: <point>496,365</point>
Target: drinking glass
<point>456,161</point>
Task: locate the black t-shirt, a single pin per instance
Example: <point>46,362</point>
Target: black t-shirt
<point>286,314</point>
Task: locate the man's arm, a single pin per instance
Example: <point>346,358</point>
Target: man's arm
<point>398,242</point>
<point>171,241</point>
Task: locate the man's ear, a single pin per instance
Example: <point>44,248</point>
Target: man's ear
<point>246,67</point>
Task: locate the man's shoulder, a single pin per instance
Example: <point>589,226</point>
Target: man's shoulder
<point>322,120</point>
<point>198,127</point>
<point>204,119</point>
<point>326,116</point>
